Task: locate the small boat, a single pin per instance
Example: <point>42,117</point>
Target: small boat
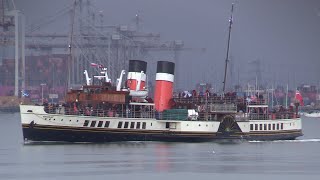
<point>314,114</point>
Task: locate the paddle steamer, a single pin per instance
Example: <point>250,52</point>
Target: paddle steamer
<point>104,113</point>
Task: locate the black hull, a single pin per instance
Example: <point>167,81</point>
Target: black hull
<point>96,135</point>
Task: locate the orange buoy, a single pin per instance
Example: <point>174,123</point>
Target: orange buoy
<point>164,85</point>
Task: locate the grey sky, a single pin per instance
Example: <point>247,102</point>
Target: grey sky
<point>282,34</point>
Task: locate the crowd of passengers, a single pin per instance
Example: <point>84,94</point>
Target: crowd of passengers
<point>241,102</point>
<point>100,109</point>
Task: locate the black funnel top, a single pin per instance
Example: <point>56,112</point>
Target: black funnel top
<point>137,66</point>
<point>165,67</point>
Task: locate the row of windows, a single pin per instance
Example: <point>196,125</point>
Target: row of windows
<point>132,125</point>
<point>93,123</point>
<point>266,127</point>
<point>125,125</point>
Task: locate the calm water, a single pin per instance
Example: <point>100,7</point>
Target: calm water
<point>157,160</point>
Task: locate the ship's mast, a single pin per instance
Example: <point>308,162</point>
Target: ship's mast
<point>70,63</point>
<point>228,47</point>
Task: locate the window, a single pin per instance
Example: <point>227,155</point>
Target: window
<point>86,122</point>
<point>277,126</point>
<point>251,127</point>
<point>100,123</point>
<point>120,124</point>
<point>29,111</point>
<point>93,124</point>
<point>167,124</point>
<point>132,125</point>
<point>138,125</point>
<point>269,126</point>
<point>144,124</point>
<point>260,127</point>
<point>126,124</point>
<point>107,124</point>
<point>151,124</point>
<point>256,126</point>
<point>265,127</point>
<point>273,127</point>
<point>281,125</point>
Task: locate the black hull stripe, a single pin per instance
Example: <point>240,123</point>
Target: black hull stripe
<point>109,130</point>
<point>91,129</point>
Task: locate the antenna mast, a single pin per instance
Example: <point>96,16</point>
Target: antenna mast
<point>228,47</point>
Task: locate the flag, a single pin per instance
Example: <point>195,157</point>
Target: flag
<point>25,93</point>
<point>94,64</point>
<point>298,97</point>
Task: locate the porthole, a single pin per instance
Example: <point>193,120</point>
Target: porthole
<point>45,118</point>
<point>187,124</point>
<point>70,120</point>
<point>61,119</point>
<point>199,125</point>
<point>207,125</point>
<point>54,119</point>
<point>77,120</point>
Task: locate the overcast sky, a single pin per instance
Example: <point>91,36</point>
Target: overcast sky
<point>284,35</point>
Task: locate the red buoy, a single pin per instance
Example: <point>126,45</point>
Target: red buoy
<point>164,85</point>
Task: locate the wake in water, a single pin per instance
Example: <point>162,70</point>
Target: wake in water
<point>296,141</point>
